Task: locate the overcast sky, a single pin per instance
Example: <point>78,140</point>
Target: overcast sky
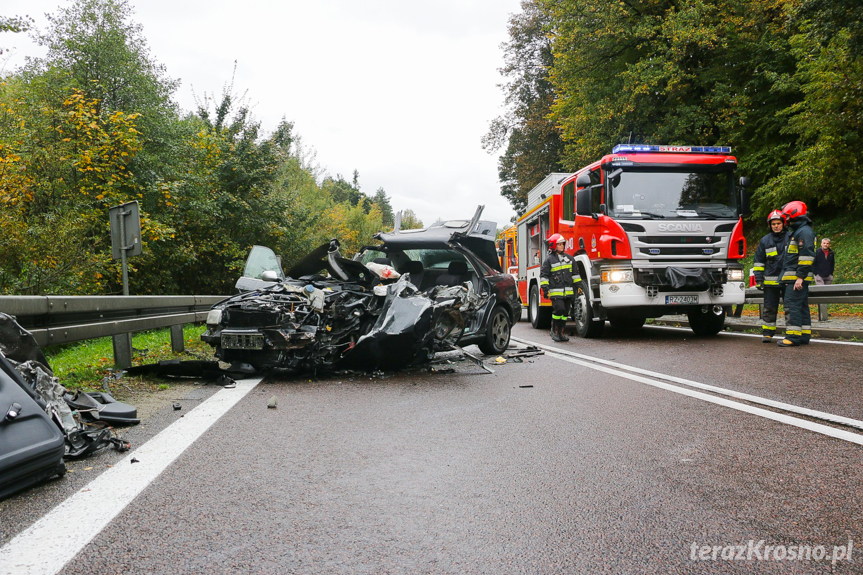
<point>400,90</point>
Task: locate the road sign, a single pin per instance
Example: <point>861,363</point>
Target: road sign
<point>125,230</point>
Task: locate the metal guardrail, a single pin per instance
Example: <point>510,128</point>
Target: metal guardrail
<point>819,294</point>
<point>62,319</point>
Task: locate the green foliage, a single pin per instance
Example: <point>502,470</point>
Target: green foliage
<point>410,221</point>
<point>530,137</point>
<point>779,81</point>
<point>93,125</point>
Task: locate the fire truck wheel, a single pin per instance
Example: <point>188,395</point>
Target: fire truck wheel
<point>582,313</point>
<point>706,322</point>
<point>540,317</point>
<point>497,335</point>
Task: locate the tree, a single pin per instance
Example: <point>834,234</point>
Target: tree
<point>382,202</point>
<point>14,24</point>
<point>827,121</point>
<point>60,169</point>
<point>533,147</point>
<point>410,221</point>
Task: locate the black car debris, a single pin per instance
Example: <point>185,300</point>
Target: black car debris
<point>41,422</point>
<point>394,304</point>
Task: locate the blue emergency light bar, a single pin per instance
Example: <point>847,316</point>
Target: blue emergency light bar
<point>629,148</point>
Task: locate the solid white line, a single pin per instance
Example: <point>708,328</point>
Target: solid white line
<point>758,335</point>
<point>721,390</point>
<point>47,545</point>
<point>781,418</point>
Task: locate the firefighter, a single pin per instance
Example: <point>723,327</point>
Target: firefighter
<point>797,275</point>
<point>557,279</point>
<point>769,257</point>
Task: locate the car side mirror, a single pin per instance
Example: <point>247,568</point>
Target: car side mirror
<point>270,276</point>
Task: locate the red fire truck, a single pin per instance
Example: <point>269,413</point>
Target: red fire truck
<point>655,230</point>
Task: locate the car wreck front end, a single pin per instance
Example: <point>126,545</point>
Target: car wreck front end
<point>354,315</point>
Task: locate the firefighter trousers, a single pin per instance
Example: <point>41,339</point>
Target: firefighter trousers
<point>560,308</point>
<point>798,324</point>
<point>770,309</point>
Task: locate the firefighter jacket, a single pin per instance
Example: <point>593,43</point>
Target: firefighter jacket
<point>560,274</point>
<point>769,258</point>
<point>800,253</point>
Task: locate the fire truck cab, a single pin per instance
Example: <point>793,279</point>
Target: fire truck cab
<point>655,230</point>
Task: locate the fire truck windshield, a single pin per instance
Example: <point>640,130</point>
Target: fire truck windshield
<point>671,193</point>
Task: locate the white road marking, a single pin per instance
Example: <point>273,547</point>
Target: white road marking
<point>758,335</point>
<point>47,545</point>
<point>632,373</point>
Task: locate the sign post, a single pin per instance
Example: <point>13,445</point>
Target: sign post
<point>125,223</point>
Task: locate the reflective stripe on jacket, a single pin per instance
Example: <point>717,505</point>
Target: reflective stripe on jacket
<point>800,253</point>
<point>559,273</point>
<point>769,258</point>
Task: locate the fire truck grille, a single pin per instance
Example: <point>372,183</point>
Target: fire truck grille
<point>672,251</point>
<point>686,240</point>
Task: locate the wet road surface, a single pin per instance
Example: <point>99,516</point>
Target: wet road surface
<point>542,467</point>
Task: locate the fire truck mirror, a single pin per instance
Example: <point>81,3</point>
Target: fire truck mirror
<point>743,191</point>
<point>583,205</point>
<point>583,180</point>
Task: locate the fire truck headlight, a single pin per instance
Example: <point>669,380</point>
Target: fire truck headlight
<point>735,275</point>
<point>617,276</point>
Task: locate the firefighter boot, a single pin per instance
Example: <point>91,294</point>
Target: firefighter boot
<point>555,330</point>
<point>561,330</point>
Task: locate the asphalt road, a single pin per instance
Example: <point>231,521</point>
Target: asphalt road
<point>554,465</point>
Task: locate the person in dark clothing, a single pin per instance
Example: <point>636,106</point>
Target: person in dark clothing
<point>769,257</point>
<point>825,263</point>
<point>797,275</point>
<point>557,279</point>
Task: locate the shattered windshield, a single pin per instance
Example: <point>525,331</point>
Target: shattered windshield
<point>672,193</point>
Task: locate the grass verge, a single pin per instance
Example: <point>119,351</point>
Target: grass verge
<point>87,365</point>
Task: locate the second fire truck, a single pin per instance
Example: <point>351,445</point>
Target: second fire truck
<point>655,230</point>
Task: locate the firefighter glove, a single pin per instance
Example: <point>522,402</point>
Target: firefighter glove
<point>759,286</point>
<point>545,291</point>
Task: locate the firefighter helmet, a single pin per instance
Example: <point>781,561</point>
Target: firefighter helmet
<point>793,210</point>
<point>776,215</point>
<point>553,240</point>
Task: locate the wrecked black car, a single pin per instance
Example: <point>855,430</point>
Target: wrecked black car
<point>395,304</point>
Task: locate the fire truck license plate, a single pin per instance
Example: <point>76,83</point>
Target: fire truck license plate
<point>680,299</point>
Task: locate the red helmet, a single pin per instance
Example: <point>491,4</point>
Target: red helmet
<point>776,215</point>
<point>553,239</point>
<point>793,210</point>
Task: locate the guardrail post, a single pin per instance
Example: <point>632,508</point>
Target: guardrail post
<point>822,312</point>
<point>122,350</point>
<point>177,342</point>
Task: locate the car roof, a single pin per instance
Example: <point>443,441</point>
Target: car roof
<point>476,235</point>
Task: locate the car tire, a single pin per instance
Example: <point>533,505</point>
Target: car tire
<point>706,323</point>
<point>497,333</point>
<point>540,317</point>
<point>582,313</point>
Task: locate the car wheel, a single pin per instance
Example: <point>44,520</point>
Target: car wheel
<point>540,317</point>
<point>497,333</point>
<point>706,322</point>
<point>582,313</point>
